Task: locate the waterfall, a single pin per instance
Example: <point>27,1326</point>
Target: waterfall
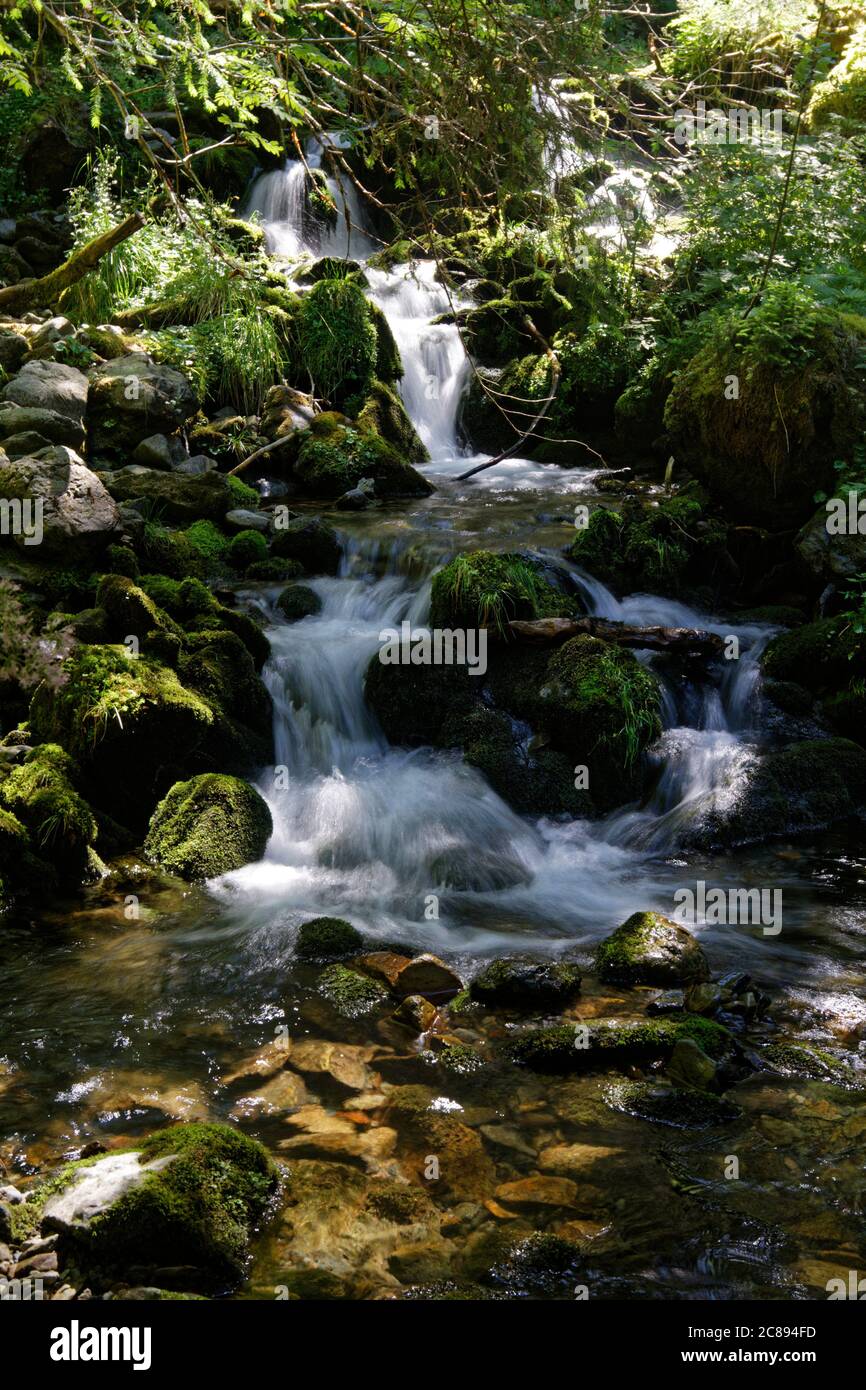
<point>434,363</point>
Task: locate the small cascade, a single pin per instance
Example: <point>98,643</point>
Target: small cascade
<point>293,229</point>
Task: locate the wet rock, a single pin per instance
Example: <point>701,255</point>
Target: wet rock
<point>133,397</point>
<point>52,330</point>
<point>370,1147</point>
<point>521,983</point>
<point>350,992</point>
<point>463,1169</point>
<point>429,976</point>
<point>538,1192</point>
<point>196,467</point>
<point>345,1064</point>
<point>508,1137</point>
<point>649,949</point>
<point>313,543</point>
<point>184,1205</point>
<point>298,601</point>
<point>13,348</point>
<point>267,1060</point>
<point>703,998</point>
<point>576,1161</point>
<point>383,965</point>
<point>78,517</point>
<point>282,1092</point>
<point>416,1013</point>
<point>689,1066</point>
<point>327,938</point>
<point>208,826</point>
<point>670,1001</point>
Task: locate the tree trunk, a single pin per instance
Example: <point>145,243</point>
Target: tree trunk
<point>45,292</point>
<point>685,641</point>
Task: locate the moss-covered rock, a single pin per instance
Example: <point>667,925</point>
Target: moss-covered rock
<point>298,601</point>
<point>41,797</point>
<point>126,723</point>
<point>313,543</point>
<point>384,414</point>
<point>843,91</point>
<point>350,992</point>
<point>208,826</point>
<point>338,342</point>
<point>176,497</point>
<point>763,452</point>
<point>334,457</point>
<point>663,548</point>
<point>577,1047</point>
<point>533,779</point>
<point>194,1211</point>
<point>526,984</point>
<point>328,938</point>
<point>487,589</point>
<point>597,704</point>
<point>245,549</point>
<point>822,656</point>
<point>649,949</point>
<point>130,611</point>
<point>417,704</point>
<point>805,786</point>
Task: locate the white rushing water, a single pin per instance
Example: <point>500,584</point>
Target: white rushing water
<point>368,831</point>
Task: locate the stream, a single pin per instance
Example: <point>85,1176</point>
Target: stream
<point>115,1022</point>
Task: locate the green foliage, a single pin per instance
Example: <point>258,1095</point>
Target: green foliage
<point>337,339</point>
<point>737,44</point>
<point>488,590</point>
<point>783,329</point>
<point>245,549</point>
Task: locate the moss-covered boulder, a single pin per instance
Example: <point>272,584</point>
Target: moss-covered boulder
<point>313,543</point>
<point>333,458</point>
<point>595,702</point>
<point>247,548</point>
<point>328,938</point>
<point>186,1204</point>
<point>762,411</point>
<point>338,342</point>
<point>663,548</point>
<point>806,786</point>
<point>41,797</point>
<point>415,704</point>
<point>384,414</point>
<point>526,984</point>
<point>576,1047</point>
<point>128,724</point>
<point>175,497</point>
<point>298,601</point>
<point>129,610</point>
<point>487,589</point>
<point>649,949</point>
<point>349,992</point>
<point>208,826</point>
<point>532,778</point>
<point>822,656</point>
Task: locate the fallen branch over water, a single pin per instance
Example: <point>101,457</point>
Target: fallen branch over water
<point>684,641</point>
<point>555,374</point>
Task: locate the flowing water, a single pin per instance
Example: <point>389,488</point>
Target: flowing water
<point>112,1022</point>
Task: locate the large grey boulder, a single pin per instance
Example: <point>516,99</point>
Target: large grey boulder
<point>52,386</point>
<point>181,499</point>
<point>133,397</point>
<point>53,427</point>
<point>69,512</point>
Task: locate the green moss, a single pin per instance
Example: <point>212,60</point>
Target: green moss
<point>309,542</point>
<point>333,459</point>
<point>798,1059</point>
<point>555,1048</point>
<point>484,589</point>
<point>602,707</point>
<point>650,949</point>
<point>243,496</point>
<point>533,780</point>
<point>208,540</point>
<point>843,91</point>
<point>664,548</point>
<point>350,992</point>
<point>666,1105</point>
<point>41,796</point>
<point>130,610</point>
<point>246,548</point>
<point>208,826</point>
<point>199,1210</point>
<point>337,339</point>
<point>274,570</point>
<point>384,414</point>
<point>327,938</point>
<point>389,365</point>
<point>822,656</point>
<point>419,704</point>
<point>298,601</point>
